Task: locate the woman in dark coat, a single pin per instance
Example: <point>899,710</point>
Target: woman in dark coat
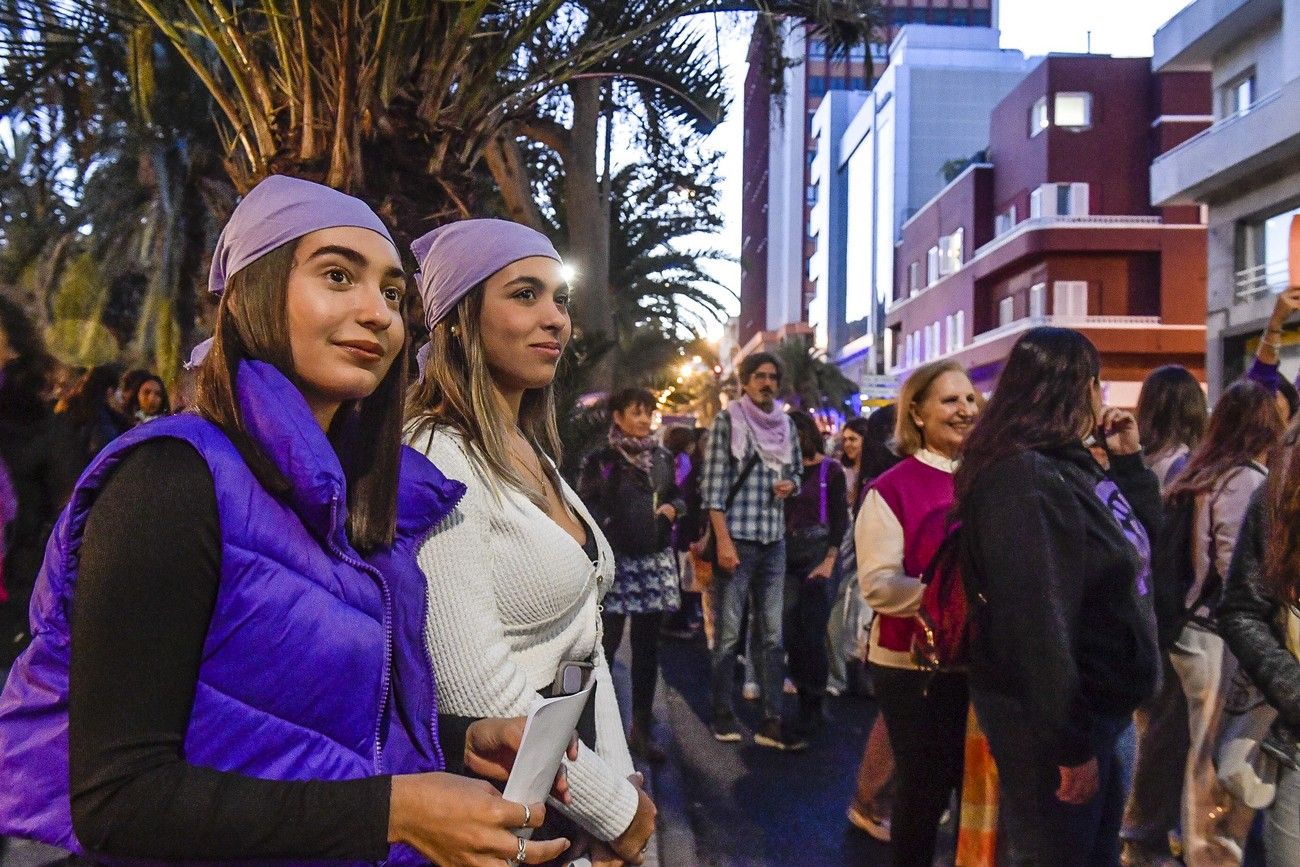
<point>630,487</point>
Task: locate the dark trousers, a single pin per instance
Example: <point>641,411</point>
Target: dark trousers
<point>926,719</point>
<point>806,609</point>
<point>1038,829</point>
<point>645,659</point>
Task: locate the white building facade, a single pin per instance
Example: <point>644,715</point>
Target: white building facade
<point>1244,169</point>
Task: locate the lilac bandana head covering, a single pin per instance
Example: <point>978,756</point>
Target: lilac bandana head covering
<point>277,211</point>
<point>455,258</point>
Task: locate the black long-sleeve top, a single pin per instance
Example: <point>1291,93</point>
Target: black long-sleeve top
<point>1069,626</point>
<point>145,594</point>
<point>1250,617</point>
<point>804,508</point>
<point>624,498</point>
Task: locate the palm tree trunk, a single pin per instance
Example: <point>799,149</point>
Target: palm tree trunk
<point>588,229</point>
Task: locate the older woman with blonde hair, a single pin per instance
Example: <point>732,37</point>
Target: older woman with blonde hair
<point>902,521</point>
<point>517,571</point>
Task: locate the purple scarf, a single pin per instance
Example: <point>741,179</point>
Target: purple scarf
<point>769,430</point>
<point>639,450</point>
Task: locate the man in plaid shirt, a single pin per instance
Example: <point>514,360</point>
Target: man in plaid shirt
<point>752,465</point>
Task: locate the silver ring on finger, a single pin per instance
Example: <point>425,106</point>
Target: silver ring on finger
<point>528,816</point>
<point>521,857</point>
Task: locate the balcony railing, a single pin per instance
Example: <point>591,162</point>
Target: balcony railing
<point>1220,125</point>
<point>1055,221</point>
<point>1027,322</point>
<point>1271,276</point>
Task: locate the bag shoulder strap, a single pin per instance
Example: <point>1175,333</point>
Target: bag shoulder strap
<point>823,510</point>
<point>741,479</point>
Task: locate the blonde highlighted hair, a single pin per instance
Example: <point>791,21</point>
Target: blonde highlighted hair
<point>908,438</point>
<point>457,392</point>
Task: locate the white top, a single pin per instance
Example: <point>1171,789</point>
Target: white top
<point>886,587</point>
<point>511,596</point>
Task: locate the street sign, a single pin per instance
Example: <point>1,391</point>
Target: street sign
<point>877,386</point>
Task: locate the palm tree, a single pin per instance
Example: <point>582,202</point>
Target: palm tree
<point>811,381</point>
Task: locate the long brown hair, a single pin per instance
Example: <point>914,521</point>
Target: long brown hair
<point>252,324</point>
<point>1042,400</point>
<point>457,392</point>
<point>1282,558</point>
<point>1171,409</point>
<point>1244,425</point>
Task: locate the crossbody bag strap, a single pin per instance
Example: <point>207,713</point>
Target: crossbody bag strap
<point>823,512</point>
<point>740,480</point>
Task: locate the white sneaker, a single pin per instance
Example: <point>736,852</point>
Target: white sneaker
<point>749,692</point>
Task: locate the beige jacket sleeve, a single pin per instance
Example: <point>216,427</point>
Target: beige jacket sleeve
<point>878,537</point>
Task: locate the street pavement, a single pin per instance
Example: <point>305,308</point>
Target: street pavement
<point>736,805</point>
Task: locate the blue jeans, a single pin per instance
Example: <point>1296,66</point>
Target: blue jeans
<point>1037,828</point>
<point>760,575</point>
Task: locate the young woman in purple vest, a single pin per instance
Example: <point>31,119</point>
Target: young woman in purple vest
<point>517,572</point>
<point>815,522</point>
<point>217,673</point>
<point>1057,571</point>
<point>903,519</point>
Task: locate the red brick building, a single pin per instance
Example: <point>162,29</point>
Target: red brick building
<point>1057,228</point>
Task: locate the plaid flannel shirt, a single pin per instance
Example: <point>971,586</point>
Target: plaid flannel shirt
<point>757,514</point>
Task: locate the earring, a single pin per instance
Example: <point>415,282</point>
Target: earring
<point>454,330</point>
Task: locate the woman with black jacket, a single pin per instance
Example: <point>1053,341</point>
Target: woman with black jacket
<point>1057,568</point>
<point>1258,613</point>
<point>630,488</point>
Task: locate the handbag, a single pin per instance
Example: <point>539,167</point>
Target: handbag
<point>1245,770</point>
<point>710,542</point>
<point>1251,745</point>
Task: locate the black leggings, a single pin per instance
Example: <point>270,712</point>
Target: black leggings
<point>926,719</point>
<point>645,658</point>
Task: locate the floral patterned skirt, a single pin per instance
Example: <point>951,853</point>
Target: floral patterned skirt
<point>644,585</point>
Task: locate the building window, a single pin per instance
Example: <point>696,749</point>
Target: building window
<point>1239,95</point>
<point>1007,311</point>
<point>1070,299</point>
<point>811,194</point>
<point>1073,110</point>
<point>931,266</point>
<point>950,253</point>
<point>914,278</point>
<point>817,49</point>
<point>981,18</point>
<point>1038,301</point>
<point>1263,253</point>
<point>960,328</point>
<point>1005,221</point>
<point>949,333</point>
<point>1059,200</point>
<point>960,17</point>
<point>940,16</point>
<point>1038,117</point>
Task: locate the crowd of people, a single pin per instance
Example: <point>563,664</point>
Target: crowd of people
<point>315,602</point>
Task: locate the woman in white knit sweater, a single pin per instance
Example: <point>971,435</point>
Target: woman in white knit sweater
<point>516,573</point>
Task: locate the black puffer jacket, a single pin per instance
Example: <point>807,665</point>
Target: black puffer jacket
<point>1250,618</point>
<point>623,499</point>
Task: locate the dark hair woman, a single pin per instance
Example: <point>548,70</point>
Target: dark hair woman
<point>88,412</point>
<point>866,447</point>
<point>147,401</point>
<point>233,694</point>
<point>816,520</point>
<point>43,464</point>
<point>1259,618</point>
<point>630,488</point>
<point>902,522</point>
<point>1057,568</point>
<point>1171,416</point>
<point>1219,481</point>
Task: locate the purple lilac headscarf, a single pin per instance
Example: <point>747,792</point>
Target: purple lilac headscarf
<point>455,258</point>
<point>278,210</point>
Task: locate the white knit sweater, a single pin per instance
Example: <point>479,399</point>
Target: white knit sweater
<point>511,596</point>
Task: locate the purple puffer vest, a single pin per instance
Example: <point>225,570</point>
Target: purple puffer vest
<point>309,647</point>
